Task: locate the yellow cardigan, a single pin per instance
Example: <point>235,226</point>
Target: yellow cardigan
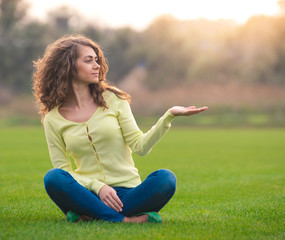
<point>101,147</point>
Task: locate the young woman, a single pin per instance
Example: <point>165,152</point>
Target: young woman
<point>89,121</point>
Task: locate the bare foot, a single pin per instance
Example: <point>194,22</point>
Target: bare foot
<point>138,219</point>
<point>85,218</point>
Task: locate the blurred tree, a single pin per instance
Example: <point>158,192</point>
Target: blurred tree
<point>165,52</point>
<point>173,52</point>
<point>63,20</point>
<point>181,52</point>
<point>214,50</point>
<point>262,50</point>
<point>11,12</point>
<point>278,71</point>
<point>120,47</point>
<point>23,40</point>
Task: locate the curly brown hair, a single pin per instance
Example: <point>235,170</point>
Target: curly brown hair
<point>54,73</point>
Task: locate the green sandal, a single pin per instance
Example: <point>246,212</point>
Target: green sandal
<point>152,217</point>
<point>74,217</point>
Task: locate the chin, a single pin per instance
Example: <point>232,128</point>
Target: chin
<point>95,82</point>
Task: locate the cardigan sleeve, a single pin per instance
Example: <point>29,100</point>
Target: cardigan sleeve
<point>139,142</point>
<point>60,159</point>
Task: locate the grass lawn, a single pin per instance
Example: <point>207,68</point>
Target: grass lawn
<point>231,185</point>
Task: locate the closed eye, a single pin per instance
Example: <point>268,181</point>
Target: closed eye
<point>89,59</point>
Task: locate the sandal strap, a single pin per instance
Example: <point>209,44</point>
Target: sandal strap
<point>72,217</point>
<point>152,217</point>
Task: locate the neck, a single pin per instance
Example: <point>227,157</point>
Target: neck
<point>81,96</point>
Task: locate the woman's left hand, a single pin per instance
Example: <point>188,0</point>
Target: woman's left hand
<point>186,111</point>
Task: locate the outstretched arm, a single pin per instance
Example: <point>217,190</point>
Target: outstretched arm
<point>186,111</point>
<point>141,143</point>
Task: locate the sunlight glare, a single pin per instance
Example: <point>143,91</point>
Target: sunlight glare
<point>139,14</point>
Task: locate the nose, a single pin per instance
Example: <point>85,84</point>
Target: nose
<point>96,65</point>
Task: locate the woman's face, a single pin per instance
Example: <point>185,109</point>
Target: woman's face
<point>87,66</point>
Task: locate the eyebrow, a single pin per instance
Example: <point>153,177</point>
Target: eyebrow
<point>89,56</point>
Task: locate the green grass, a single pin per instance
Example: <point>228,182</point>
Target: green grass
<point>231,185</point>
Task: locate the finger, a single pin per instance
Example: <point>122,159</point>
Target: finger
<point>192,107</point>
<point>203,109</point>
<point>110,204</point>
<point>116,202</point>
<point>194,111</point>
<point>198,109</point>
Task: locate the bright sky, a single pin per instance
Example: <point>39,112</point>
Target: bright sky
<point>138,14</point>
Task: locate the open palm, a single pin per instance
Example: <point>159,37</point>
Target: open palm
<point>186,111</point>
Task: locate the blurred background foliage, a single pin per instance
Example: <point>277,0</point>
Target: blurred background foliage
<point>237,70</point>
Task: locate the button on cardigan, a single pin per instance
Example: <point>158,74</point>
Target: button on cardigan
<point>102,146</point>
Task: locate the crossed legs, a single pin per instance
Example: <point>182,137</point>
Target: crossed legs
<point>151,195</point>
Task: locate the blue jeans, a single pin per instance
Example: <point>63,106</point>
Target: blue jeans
<point>150,196</point>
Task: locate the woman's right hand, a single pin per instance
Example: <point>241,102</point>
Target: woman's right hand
<point>109,196</point>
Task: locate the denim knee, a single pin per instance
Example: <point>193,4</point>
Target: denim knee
<point>53,177</point>
<point>169,180</point>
